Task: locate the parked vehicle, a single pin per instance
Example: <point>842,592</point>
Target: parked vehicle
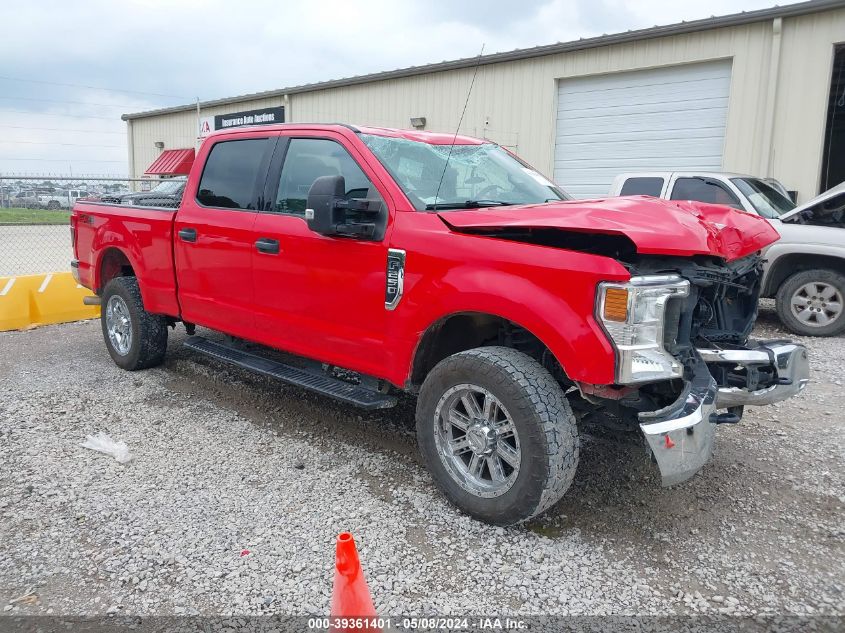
<point>27,199</point>
<point>61,198</point>
<point>447,268</point>
<point>167,193</point>
<point>805,270</point>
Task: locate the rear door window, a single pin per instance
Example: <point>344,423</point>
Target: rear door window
<point>642,186</point>
<point>231,172</point>
<point>704,190</point>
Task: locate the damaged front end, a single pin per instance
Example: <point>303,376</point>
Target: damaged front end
<point>685,363</point>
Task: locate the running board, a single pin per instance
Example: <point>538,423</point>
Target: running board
<point>317,382</point>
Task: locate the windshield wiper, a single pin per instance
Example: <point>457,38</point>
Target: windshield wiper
<point>467,204</point>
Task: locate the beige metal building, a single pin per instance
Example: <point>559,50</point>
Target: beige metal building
<point>758,92</point>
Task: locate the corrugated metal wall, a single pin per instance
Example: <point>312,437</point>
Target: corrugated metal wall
<point>513,103</point>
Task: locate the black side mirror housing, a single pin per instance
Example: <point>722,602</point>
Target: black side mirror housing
<point>321,209</point>
<point>327,212</point>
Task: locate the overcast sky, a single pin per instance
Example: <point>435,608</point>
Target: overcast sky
<point>140,54</point>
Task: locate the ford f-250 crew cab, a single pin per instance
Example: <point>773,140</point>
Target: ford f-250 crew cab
<point>444,266</point>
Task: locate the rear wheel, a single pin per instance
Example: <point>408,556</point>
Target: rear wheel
<point>812,303</point>
<point>135,338</point>
<point>497,434</point>
<point>53,205</point>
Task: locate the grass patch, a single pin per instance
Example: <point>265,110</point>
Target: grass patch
<point>33,216</point>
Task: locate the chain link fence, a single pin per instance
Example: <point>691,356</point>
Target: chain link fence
<point>35,214</point>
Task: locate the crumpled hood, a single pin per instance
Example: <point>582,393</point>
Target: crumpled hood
<point>655,226</point>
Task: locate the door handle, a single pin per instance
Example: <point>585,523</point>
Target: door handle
<point>188,235</point>
<point>267,246</point>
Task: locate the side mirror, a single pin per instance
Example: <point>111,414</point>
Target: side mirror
<point>321,210</point>
<point>327,212</point>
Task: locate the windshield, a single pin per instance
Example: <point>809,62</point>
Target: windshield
<point>475,176</point>
<point>766,200</point>
<point>170,186</point>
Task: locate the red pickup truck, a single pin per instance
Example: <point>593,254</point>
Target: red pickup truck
<point>444,266</point>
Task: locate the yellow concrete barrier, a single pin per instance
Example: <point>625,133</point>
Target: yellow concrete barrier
<point>30,300</point>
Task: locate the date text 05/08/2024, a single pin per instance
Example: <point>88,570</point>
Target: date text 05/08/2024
<point>417,623</point>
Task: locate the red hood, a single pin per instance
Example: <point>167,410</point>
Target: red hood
<point>655,226</point>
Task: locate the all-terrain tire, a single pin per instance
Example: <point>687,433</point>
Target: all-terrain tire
<point>794,284</point>
<point>148,331</point>
<point>545,424</point>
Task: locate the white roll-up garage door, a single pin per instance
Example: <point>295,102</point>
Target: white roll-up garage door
<point>669,118</point>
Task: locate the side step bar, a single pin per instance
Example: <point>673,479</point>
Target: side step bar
<point>318,382</point>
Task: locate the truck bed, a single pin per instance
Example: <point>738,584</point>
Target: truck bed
<point>143,235</point>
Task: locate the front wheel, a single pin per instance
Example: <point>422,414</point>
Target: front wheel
<point>497,434</point>
<point>135,338</point>
<point>812,303</point>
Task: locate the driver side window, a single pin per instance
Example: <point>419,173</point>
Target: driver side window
<point>310,158</point>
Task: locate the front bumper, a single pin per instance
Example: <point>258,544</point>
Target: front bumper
<point>680,436</point>
<point>789,359</point>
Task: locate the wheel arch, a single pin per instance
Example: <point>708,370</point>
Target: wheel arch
<point>789,264</point>
<point>461,331</point>
<point>112,262</point>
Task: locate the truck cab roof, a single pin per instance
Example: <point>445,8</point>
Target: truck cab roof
<point>678,172</point>
<point>420,136</point>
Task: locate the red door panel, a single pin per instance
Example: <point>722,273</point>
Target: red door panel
<point>321,297</point>
<point>215,271</point>
<point>213,233</point>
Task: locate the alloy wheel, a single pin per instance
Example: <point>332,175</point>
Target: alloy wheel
<point>119,325</point>
<point>477,440</point>
<point>817,304</point>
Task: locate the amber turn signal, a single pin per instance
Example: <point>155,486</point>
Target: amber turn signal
<point>616,304</point>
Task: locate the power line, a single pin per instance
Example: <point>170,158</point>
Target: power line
<point>57,129</point>
<point>74,116</point>
<point>63,160</point>
<point>104,105</point>
<point>67,85</point>
<point>68,144</point>
<point>56,177</point>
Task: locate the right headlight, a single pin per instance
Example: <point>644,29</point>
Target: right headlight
<point>632,314</point>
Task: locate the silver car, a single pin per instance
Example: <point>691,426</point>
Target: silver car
<point>805,269</point>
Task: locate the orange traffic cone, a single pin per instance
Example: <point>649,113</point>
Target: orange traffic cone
<point>350,596</point>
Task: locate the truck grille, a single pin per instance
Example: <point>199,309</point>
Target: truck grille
<point>721,306</point>
<point>672,323</point>
<point>726,301</point>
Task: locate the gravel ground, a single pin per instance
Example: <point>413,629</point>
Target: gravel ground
<point>225,461</point>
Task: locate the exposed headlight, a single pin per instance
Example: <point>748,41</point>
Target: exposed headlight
<point>632,314</point>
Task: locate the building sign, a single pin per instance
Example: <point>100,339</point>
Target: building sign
<point>206,126</point>
<point>264,116</point>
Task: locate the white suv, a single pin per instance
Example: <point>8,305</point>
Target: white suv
<point>805,269</point>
